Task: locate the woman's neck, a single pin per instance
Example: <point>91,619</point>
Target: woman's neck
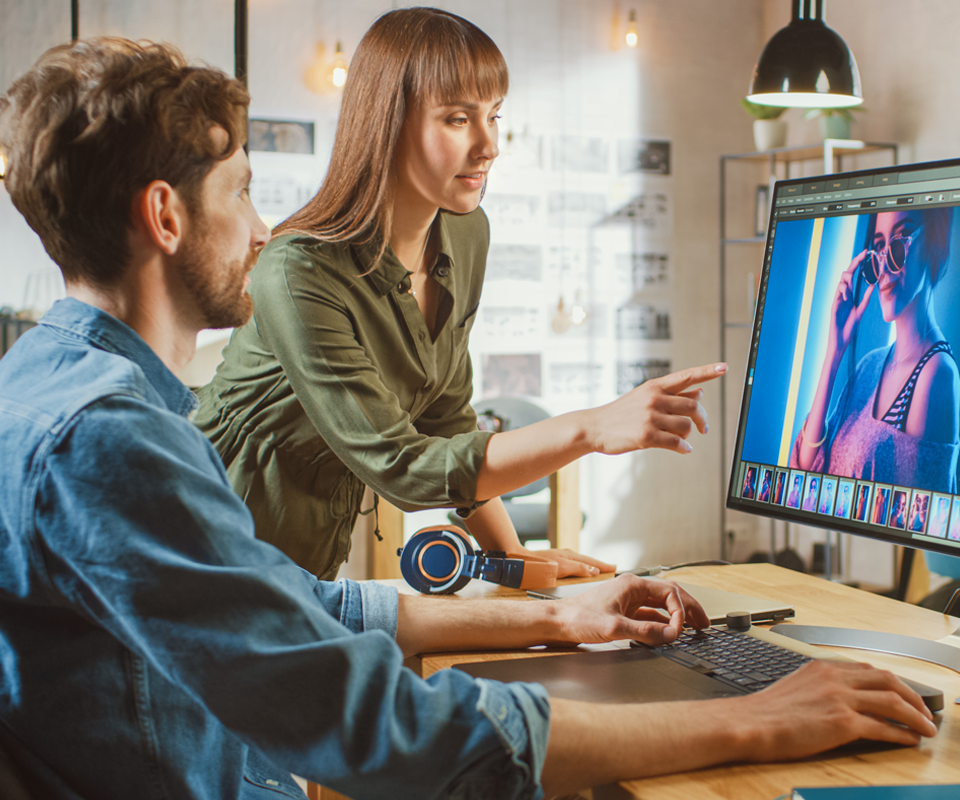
<point>916,326</point>
<point>411,229</point>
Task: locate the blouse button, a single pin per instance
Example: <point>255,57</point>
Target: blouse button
<point>442,272</point>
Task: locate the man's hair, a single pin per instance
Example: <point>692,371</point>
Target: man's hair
<point>96,121</point>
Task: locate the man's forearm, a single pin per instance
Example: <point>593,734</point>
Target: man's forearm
<point>432,624</point>
<point>592,745</point>
<point>821,706</point>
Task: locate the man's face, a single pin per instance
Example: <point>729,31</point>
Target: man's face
<point>221,245</point>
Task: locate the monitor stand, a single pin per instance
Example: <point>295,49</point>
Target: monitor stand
<point>894,643</point>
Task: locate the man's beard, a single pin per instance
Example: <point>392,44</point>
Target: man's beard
<point>217,286</point>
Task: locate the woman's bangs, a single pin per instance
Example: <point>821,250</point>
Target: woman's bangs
<point>461,68</point>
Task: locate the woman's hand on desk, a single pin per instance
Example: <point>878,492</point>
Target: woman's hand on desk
<point>571,564</point>
<point>629,607</point>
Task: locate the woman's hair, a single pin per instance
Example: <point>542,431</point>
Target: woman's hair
<point>94,122</point>
<point>935,241</point>
<point>409,56</point>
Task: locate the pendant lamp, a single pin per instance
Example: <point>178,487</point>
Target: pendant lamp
<point>806,65</point>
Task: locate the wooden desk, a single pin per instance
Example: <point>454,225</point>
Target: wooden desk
<point>817,602</point>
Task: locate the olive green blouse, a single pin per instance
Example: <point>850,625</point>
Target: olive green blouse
<point>336,382</point>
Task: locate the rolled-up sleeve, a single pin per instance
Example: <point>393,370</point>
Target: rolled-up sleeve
<point>520,714</point>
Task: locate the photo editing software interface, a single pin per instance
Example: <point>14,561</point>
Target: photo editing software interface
<point>850,417</point>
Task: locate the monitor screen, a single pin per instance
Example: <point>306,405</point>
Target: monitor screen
<point>850,417</point>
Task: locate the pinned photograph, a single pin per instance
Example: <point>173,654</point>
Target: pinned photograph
<point>281,136</point>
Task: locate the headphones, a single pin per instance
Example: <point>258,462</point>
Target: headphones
<point>441,560</point>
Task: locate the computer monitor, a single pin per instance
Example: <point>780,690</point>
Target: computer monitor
<point>850,415</point>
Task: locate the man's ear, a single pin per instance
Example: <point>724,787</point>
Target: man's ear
<point>160,215</point>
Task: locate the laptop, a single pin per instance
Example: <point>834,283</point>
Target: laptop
<point>715,602</point>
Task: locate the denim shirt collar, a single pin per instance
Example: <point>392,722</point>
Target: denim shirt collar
<point>79,320</point>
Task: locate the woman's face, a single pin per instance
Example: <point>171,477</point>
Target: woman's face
<point>899,289</point>
<point>444,153</point>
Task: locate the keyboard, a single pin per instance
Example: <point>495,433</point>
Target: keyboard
<point>734,658</point>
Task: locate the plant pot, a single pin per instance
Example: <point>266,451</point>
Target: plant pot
<point>769,134</point>
<point>834,127</point>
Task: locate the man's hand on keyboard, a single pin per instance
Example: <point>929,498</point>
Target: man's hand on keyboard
<point>630,607</point>
<point>826,704</point>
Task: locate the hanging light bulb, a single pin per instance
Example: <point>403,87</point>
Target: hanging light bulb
<point>3,165</point>
<point>616,40</point>
<point>632,36</point>
<point>561,319</point>
<point>338,70</point>
<point>578,314</point>
<point>315,78</point>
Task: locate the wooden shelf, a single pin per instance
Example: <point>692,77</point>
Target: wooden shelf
<point>813,152</point>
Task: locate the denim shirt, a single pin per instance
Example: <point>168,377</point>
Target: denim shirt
<point>151,646</point>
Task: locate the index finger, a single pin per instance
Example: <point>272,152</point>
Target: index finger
<point>857,260</point>
<point>680,381</point>
<point>677,600</point>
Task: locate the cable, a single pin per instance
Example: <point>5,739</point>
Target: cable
<point>651,571</point>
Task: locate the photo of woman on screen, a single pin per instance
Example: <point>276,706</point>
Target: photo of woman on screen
<point>843,503</point>
<point>780,490</point>
<point>898,514</point>
<point>880,502</point>
<point>898,419</point>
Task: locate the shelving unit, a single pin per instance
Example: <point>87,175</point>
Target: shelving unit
<point>739,229</point>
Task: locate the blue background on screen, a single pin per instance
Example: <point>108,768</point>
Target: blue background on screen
<point>843,237</point>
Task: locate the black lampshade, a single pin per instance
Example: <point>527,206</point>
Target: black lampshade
<point>806,64</point>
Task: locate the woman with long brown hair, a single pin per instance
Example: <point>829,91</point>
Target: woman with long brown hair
<point>354,369</point>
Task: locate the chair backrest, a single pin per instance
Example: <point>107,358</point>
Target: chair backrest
<point>510,413</point>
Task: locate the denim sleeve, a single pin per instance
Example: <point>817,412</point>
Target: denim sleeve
<point>520,714</point>
<point>140,532</point>
<point>362,606</point>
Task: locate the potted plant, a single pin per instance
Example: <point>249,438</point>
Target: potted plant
<point>834,122</point>
<point>769,131</point>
